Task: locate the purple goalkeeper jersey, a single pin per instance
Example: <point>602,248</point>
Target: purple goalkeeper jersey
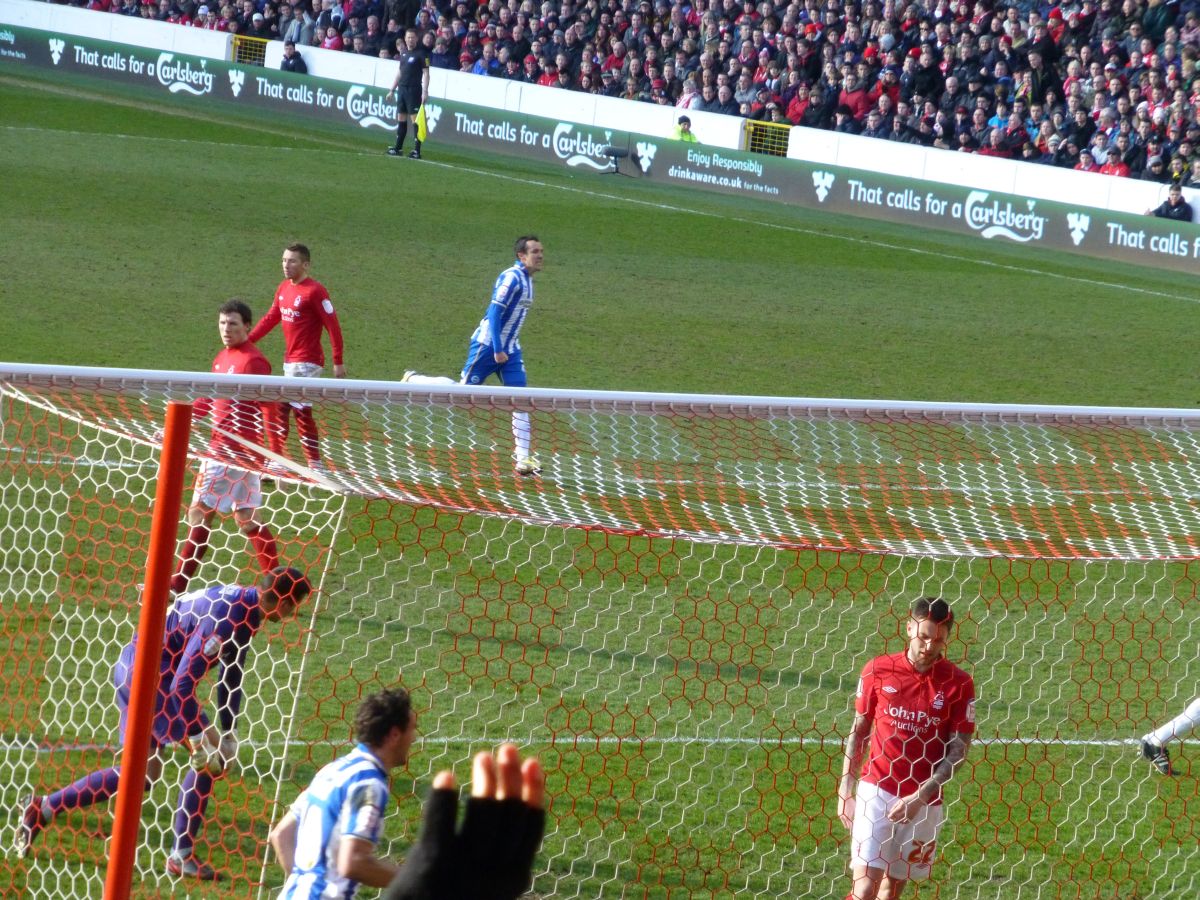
<point>203,627</point>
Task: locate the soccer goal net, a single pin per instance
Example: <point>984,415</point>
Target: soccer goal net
<point>673,616</point>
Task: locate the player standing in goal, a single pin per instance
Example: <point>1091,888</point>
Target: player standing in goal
<point>203,628</point>
<point>1154,744</point>
<point>919,711</point>
<point>495,347</point>
<point>303,306</point>
<point>230,486</point>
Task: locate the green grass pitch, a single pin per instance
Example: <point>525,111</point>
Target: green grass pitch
<point>657,668</point>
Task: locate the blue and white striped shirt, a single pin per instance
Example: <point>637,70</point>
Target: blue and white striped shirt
<point>511,298</point>
<point>346,799</point>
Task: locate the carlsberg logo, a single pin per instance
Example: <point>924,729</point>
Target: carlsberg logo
<point>368,111</point>
<point>579,149</point>
<point>997,219</point>
<point>182,76</point>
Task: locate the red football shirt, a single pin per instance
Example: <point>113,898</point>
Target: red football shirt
<point>243,418</point>
<point>305,309</point>
<point>913,714</point>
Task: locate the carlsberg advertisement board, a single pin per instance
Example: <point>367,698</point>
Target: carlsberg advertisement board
<point>991,216</point>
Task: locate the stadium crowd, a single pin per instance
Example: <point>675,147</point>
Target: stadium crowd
<point>1108,87</point>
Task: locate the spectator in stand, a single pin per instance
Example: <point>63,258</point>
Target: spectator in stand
<point>1193,178</point>
<point>487,64</point>
<point>1155,170</point>
<point>373,37</point>
<point>1177,170</point>
<point>843,120</point>
<point>1120,67</point>
<point>293,61</point>
<point>442,58</point>
<point>1174,207</point>
<point>301,28</point>
<point>1087,162</point>
<point>333,40</point>
<point>1113,164</point>
<point>996,145</point>
<point>725,101</point>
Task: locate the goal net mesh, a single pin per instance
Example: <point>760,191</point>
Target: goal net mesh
<point>673,616</point>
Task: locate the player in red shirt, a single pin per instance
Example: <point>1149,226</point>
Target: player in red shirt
<point>304,307</point>
<point>919,710</point>
<point>224,484</point>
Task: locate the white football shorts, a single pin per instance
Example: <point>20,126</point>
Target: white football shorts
<point>302,370</point>
<point>904,850</point>
<point>225,488</point>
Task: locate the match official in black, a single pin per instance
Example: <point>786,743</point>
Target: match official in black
<point>411,89</point>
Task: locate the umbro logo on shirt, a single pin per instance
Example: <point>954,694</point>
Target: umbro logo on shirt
<point>888,689</point>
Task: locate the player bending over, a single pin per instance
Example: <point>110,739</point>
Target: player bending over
<point>226,487</point>
<point>1154,744</point>
<point>203,627</point>
<point>919,711</point>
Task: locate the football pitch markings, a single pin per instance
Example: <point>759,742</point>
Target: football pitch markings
<point>619,198</point>
<point>41,749</point>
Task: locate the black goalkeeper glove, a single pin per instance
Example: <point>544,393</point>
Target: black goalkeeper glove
<point>489,858</point>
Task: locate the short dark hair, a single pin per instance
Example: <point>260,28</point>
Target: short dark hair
<point>935,609</point>
<point>380,713</point>
<point>522,243</point>
<point>286,582</point>
<point>238,307</point>
<point>302,249</point>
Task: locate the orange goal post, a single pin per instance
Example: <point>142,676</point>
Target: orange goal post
<point>672,615</point>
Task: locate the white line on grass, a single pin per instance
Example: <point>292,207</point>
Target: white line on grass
<point>668,207</point>
<point>609,740</point>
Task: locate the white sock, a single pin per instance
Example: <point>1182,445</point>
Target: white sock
<point>1178,727</point>
<point>430,379</point>
<point>522,434</point>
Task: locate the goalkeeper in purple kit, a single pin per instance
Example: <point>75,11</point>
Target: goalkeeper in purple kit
<point>204,627</point>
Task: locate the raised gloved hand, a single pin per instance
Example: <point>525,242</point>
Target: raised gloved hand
<point>490,857</point>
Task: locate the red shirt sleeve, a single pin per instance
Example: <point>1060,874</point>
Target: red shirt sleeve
<point>264,326</point>
<point>330,320</point>
<point>865,695</point>
<point>962,714</point>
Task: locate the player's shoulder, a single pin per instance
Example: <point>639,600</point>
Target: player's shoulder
<point>953,673</point>
<point>256,362</point>
<point>886,662</point>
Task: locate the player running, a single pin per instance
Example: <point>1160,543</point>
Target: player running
<point>203,628</point>
<point>303,306</point>
<point>919,710</point>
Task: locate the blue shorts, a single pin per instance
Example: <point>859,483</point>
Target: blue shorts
<point>123,681</point>
<point>481,363</point>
